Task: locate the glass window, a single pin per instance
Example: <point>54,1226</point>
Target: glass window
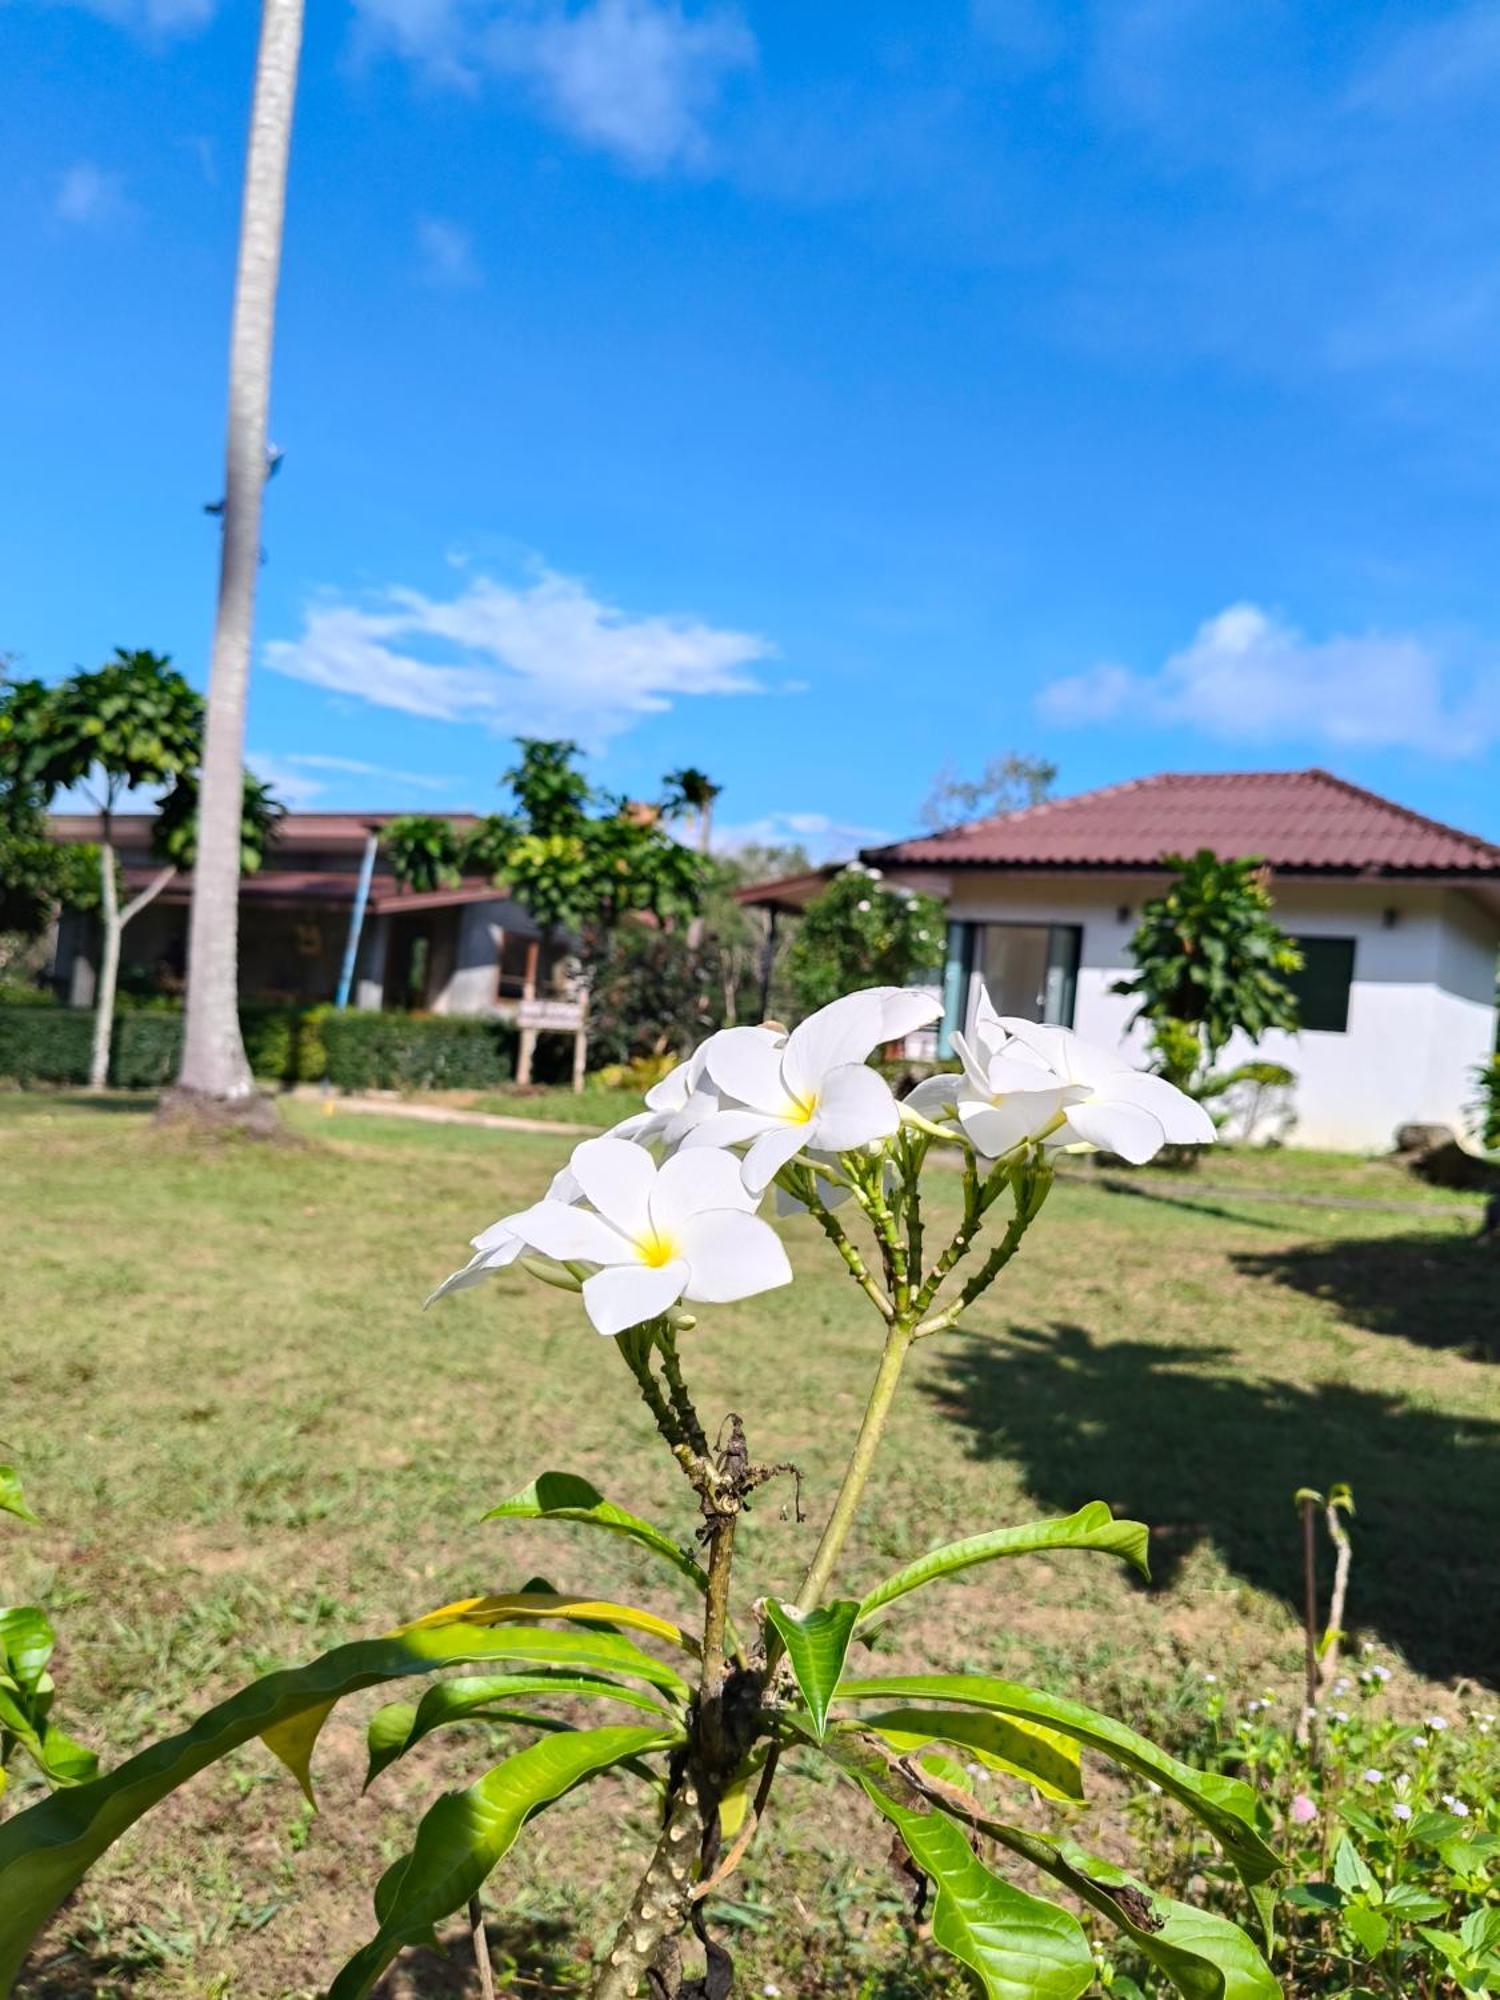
<point>1322,986</point>
<point>1031,970</point>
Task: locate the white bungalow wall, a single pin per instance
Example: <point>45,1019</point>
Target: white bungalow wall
<point>1421,1008</point>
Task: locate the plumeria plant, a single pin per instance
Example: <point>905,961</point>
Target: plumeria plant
<point>649,1226</point>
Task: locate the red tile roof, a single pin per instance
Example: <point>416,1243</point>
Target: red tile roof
<point>1301,822</point>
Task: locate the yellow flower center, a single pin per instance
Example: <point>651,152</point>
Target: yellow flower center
<point>800,1110</point>
<point>656,1251</point>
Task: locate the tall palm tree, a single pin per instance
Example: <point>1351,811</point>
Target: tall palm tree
<point>695,790</point>
<point>214,1069</point>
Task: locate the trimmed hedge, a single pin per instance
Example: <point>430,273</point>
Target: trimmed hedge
<point>417,1051</point>
<point>285,1045</point>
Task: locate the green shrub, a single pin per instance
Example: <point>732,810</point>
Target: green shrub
<point>1487,1105</point>
<point>22,993</point>
<point>312,1050</point>
<point>146,1050</point>
<point>272,1036</point>
<point>44,1044</point>
<point>416,1051</point>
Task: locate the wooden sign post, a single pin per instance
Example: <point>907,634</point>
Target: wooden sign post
<point>552,1017</point>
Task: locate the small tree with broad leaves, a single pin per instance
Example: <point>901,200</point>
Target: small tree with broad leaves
<point>752,1686</point>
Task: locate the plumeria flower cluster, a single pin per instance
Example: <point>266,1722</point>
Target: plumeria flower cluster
<point>661,1211</point>
<point>1029,1082</point>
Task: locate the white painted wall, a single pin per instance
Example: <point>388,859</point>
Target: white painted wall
<point>1421,1008</point>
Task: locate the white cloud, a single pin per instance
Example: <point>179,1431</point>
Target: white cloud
<point>446,253</point>
<point>637,78</point>
<point>91,196</point>
<point>293,788</point>
<point>354,767</point>
<point>824,838</point>
<point>300,778</point>
<point>544,658</point>
<point>1248,676</point>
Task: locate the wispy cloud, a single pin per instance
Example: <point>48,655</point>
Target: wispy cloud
<point>91,197</point>
<point>150,17</point>
<point>822,837</point>
<point>301,777</point>
<point>354,767</point>
<point>638,79</point>
<point>445,251</point>
<point>546,657</point>
<point>1248,676</point>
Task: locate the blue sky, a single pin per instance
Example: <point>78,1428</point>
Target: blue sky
<point>823,395</point>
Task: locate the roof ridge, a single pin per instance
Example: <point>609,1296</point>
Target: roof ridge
<point>1425,820</point>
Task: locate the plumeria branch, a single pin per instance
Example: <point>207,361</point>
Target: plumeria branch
<point>801,1183</point>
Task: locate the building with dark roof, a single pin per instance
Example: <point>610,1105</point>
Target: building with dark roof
<point>1398,917</point>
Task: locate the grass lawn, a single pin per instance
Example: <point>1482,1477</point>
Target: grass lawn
<point>247,1444</point>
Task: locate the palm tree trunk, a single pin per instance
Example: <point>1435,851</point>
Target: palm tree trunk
<point>213,1056</point>
<point>109,964</point>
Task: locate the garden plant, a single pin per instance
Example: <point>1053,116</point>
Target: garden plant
<point>648,1225</point>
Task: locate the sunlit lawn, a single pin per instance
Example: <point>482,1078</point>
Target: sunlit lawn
<point>248,1443</point>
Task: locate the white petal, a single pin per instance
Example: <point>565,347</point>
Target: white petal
<point>1115,1128</point>
<point>1072,1057</point>
<point>1018,1068</point>
<point>497,1236</point>
<point>693,1181</point>
<point>746,1065</point>
<point>700,1062</point>
<point>641,1127</point>
<point>845,1031</point>
<point>672,1091</point>
<point>571,1235</point>
<point>629,1293</point>
<point>1185,1122</point>
<point>730,1128</point>
<point>565,1186</point>
<point>975,1063</point>
<point>994,1128</point>
<point>855,1105</point>
<point>904,1009</point>
<point>476,1271</point>
<point>617,1178</point>
<point>934,1097</point>
<point>770,1153</point>
<point>700,1106</point>
<point>733,1256</point>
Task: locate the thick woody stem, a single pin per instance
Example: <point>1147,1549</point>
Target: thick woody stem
<point>660,1906</point>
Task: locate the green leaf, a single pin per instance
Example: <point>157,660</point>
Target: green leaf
<point>387,1735</point>
<point>1480,1931</point>
<point>1413,1904</point>
<point>458,1700</point>
<point>1320,1896</point>
<point>816,1642</point>
<point>1368,1928</point>
<point>1043,1757</point>
<point>26,1642</point>
<point>45,1851</point>
<point>1226,1806</point>
<point>12,1500</point>
<point>1350,1870</point>
<point>466,1833</point>
<point>1092,1527</point>
<point>516,1606</point>
<point>566,1496</point>
<point>1021,1947</point>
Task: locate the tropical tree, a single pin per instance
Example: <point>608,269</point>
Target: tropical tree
<point>692,790</point>
<point>134,722</point>
<point>425,853</point>
<point>1211,961</point>
<point>1006,784</point>
<point>214,1069</point>
<point>861,932</point>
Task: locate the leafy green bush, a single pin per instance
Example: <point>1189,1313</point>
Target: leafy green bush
<point>272,1037</point>
<point>417,1051</point>
<point>1487,1105</point>
<point>21,993</point>
<point>44,1044</point>
<point>147,1050</point>
<point>1391,1831</point>
<point>859,932</point>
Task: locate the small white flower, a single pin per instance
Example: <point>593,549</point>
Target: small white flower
<point>1403,1781</point>
<point>863,905</point>
<point>814,1090</point>
<point>1256,1707</point>
<point>1343,1684</point>
<point>1401,1811</point>
<point>1381,1674</point>
<point>1212,1680</point>
<point>1436,1722</point>
<point>1372,1776</point>
<point>498,1247</point>
<point>1339,1714</point>
<point>659,1234</point>
<point>1419,1742</point>
<point>1455,1805</point>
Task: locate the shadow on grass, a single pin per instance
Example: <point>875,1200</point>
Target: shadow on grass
<point>1181,1441</point>
<point>1438,1291</point>
<point>1192,1205</point>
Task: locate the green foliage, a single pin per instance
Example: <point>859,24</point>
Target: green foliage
<point>134,721</point>
<point>656,992</point>
<point>565,1496</point>
<point>174,835</point>
<point>27,1690</point>
<point>1092,1527</point>
<point>1390,1826</point>
<point>416,1051</point>
<point>42,1043</point>
<point>1486,1106</point>
<point>859,932</point>
<point>816,1642</point>
<point>12,1498</point>
<point>1210,962</point>
<point>425,853</point>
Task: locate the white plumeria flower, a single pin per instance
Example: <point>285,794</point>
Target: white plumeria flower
<point>681,1100</point>
<point>1007,1092</point>
<point>814,1090</point>
<point>682,1230</point>
<point>1119,1109</point>
<point>498,1247</point>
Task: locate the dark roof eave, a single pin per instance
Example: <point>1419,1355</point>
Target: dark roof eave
<point>885,857</point>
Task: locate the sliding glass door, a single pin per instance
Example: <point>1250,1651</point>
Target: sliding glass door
<point>1030,970</point>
